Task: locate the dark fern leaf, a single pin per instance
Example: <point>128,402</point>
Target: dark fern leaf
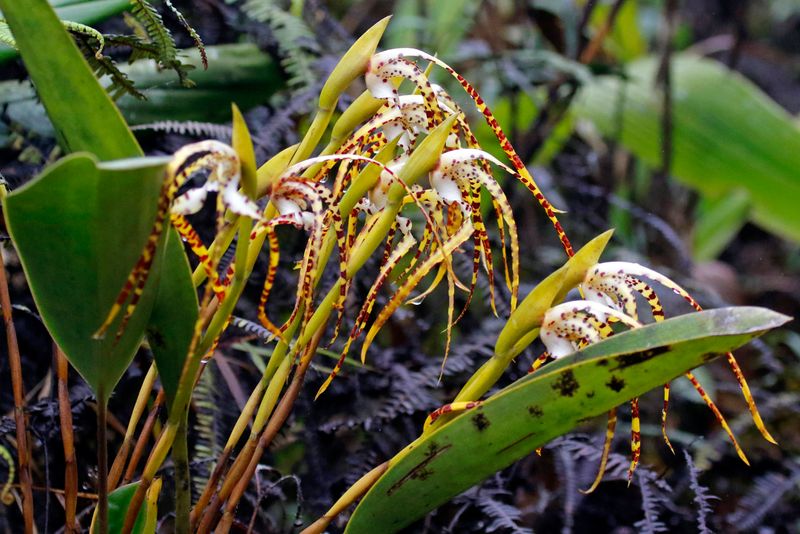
<point>204,430</point>
<point>702,497</point>
<point>505,517</point>
<point>767,493</point>
<point>491,500</point>
<point>103,65</point>
<point>252,328</point>
<point>653,490</point>
<point>297,44</point>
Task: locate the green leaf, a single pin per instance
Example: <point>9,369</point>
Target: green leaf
<point>79,227</point>
<point>92,224</point>
<point>718,222</point>
<point>536,409</point>
<point>171,324</point>
<point>118,502</point>
<point>81,111</point>
<point>727,134</point>
<point>84,12</point>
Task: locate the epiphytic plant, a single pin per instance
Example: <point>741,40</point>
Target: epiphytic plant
<point>400,180</point>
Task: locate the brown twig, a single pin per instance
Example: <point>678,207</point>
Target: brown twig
<point>67,437</point>
<point>276,422</point>
<point>15,364</point>
<point>138,409</point>
<point>144,437</point>
<point>591,50</point>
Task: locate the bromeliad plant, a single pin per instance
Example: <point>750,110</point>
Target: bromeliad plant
<point>400,179</point>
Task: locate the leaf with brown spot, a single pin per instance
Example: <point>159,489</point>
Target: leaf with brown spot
<point>532,411</point>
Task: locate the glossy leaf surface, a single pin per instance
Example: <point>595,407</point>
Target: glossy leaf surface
<point>540,407</point>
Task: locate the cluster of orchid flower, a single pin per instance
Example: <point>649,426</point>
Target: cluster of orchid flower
<point>353,195</point>
<point>301,198</point>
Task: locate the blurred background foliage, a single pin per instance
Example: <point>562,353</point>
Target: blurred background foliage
<point>674,122</point>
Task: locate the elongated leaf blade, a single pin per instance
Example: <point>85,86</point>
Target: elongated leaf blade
<point>89,13</point>
<point>727,134</point>
<point>83,114</point>
<point>171,324</point>
<point>540,407</point>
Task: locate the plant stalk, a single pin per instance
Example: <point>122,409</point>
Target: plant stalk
<point>279,417</point>
<point>102,464</point>
<point>18,387</point>
<point>183,481</point>
<point>68,439</point>
<point>138,409</point>
<point>144,437</point>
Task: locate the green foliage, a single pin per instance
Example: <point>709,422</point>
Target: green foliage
<point>296,42</point>
<point>118,502</point>
<point>238,72</point>
<point>84,12</point>
<point>60,69</point>
<point>73,216</point>
<point>93,200</point>
<point>171,324</point>
<point>727,136</point>
<point>535,409</point>
<point>165,51</point>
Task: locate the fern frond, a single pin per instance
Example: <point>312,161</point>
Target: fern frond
<point>767,492</point>
<point>191,31</point>
<point>505,517</point>
<point>139,47</point>
<point>158,34</point>
<point>7,38</point>
<point>653,490</point>
<point>295,40</point>
<point>254,329</point>
<point>5,35</point>
<point>204,130</point>
<point>207,446</point>
<point>105,66</point>
<point>702,498</point>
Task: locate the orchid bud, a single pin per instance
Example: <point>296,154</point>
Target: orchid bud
<point>352,65</point>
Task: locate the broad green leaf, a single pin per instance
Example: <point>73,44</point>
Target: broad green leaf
<point>94,222</point>
<point>542,406</point>
<point>718,222</point>
<point>727,134</point>
<point>118,502</point>
<point>82,113</point>
<point>79,227</point>
<point>85,12</point>
<point>625,41</point>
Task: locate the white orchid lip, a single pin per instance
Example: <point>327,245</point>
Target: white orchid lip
<point>611,291</point>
